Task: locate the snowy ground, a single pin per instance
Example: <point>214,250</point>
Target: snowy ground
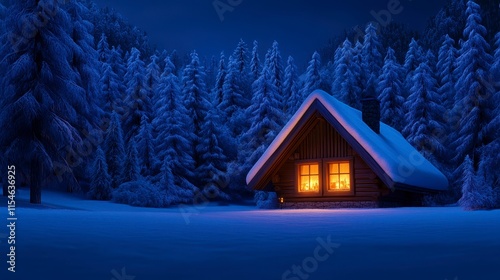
<point>72,239</point>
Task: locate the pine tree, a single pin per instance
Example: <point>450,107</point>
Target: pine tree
<point>100,186</point>
<point>213,166</point>
<point>131,169</point>
<point>495,67</point>
<point>119,67</point>
<point>218,90</point>
<point>103,49</point>
<point>195,100</point>
<point>476,195</point>
<point>414,57</point>
<point>111,98</point>
<point>115,150</point>
<point>255,62</point>
<point>445,67</point>
<point>266,114</point>
<point>152,77</point>
<point>347,76</point>
<point>391,91</point>
<point>474,89</point>
<point>234,98</point>
<point>291,87</point>
<point>424,127</point>
<point>372,59</point>
<point>489,164</point>
<point>145,148</point>
<point>39,94</point>
<point>312,77</point>
<point>274,65</point>
<point>137,100</point>
<point>266,118</point>
<point>171,123</point>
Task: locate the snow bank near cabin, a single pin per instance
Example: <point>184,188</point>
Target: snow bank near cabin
<point>399,160</point>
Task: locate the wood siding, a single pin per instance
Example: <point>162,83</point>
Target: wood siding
<point>324,142</point>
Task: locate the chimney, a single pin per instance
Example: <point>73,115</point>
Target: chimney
<point>371,108</point>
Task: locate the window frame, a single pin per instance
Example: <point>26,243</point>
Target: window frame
<point>326,176</point>
<point>298,164</point>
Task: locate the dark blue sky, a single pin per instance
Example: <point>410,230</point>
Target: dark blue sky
<point>299,26</point>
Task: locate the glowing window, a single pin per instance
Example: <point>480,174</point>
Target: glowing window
<point>339,176</point>
<point>309,178</point>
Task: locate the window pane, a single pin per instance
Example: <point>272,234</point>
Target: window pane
<point>334,168</point>
<point>334,183</point>
<point>314,183</point>
<point>314,169</point>
<point>344,167</point>
<point>304,183</point>
<point>345,183</point>
<point>304,169</point>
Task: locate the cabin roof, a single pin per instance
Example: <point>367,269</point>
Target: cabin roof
<point>397,163</point>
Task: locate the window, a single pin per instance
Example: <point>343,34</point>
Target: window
<point>339,176</point>
<point>309,177</point>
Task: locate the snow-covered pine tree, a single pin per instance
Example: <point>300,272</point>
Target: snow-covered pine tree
<point>495,66</point>
<point>390,89</point>
<point>103,49</point>
<point>274,65</point>
<point>111,97</point>
<point>489,164</point>
<point>218,90</point>
<point>255,63</point>
<point>476,195</point>
<point>118,63</point>
<point>152,76</point>
<point>371,53</point>
<point>236,90</point>
<point>132,172</point>
<point>39,94</point>
<point>137,100</point>
<point>148,162</point>
<point>196,101</point>
<point>171,124</point>
<point>120,68</point>
<point>336,60</point>
<point>424,128</point>
<point>114,149</point>
<point>413,58</point>
<point>347,76</point>
<point>430,58</point>
<point>445,67</point>
<point>212,162</point>
<point>312,76</point>
<point>291,87</point>
<point>474,90</point>
<point>266,118</point>
<point>100,186</point>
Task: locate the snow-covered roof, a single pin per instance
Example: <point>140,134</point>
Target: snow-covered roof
<point>400,161</point>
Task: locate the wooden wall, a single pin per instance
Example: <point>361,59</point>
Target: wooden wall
<point>324,142</point>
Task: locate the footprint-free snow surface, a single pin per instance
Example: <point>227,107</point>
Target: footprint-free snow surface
<point>73,239</point>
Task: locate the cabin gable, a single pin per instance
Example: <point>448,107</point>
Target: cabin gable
<point>322,146</point>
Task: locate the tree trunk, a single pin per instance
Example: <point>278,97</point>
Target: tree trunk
<point>35,182</point>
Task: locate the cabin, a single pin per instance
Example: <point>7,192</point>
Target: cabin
<point>330,155</point>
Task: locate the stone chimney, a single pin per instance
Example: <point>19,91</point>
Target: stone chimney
<point>371,108</point>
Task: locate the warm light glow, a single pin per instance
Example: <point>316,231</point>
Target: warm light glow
<point>281,200</point>
<point>309,178</point>
<point>339,176</point>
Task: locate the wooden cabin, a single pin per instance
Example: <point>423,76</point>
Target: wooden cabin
<point>330,155</point>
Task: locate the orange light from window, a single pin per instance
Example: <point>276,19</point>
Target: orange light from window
<point>309,178</point>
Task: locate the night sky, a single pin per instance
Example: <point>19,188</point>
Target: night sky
<point>299,26</point>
